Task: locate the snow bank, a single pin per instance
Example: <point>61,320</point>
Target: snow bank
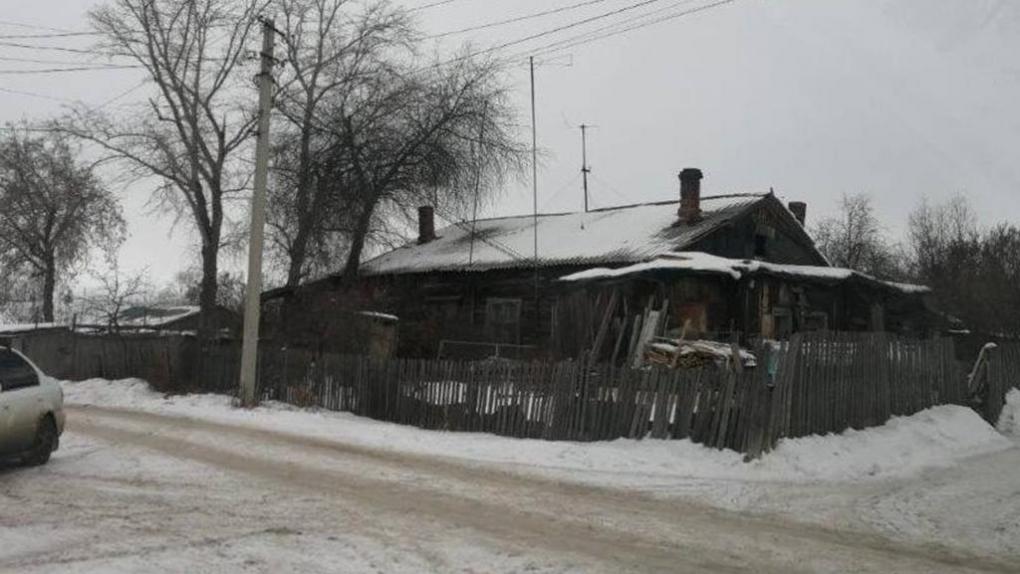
<point>938,437</point>
<point>1009,420</point>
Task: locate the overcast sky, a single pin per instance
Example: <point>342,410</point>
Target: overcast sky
<point>814,98</point>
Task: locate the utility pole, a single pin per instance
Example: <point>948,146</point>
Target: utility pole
<point>585,170</point>
<point>253,302</point>
<point>534,186</point>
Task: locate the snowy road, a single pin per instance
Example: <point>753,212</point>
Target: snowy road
<point>135,491</point>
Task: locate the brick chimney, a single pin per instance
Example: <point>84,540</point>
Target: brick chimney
<point>690,195</point>
<point>426,224</point>
<point>799,210</point>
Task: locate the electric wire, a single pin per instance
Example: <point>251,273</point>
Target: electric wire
<point>517,19</point>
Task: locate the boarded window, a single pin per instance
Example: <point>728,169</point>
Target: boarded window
<point>503,320</point>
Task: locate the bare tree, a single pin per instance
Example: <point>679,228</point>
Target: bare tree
<point>935,231</point>
<point>434,136</point>
<point>189,137</point>
<point>372,136</point>
<point>186,289</point>
<point>332,48</point>
<point>945,248</point>
<point>54,210</point>
<point>116,292</point>
<point>854,239</point>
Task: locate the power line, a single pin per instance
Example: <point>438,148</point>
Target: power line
<point>589,39</point>
<point>70,101</point>
<point>36,95</point>
<point>34,26</point>
<point>62,70</point>
<point>43,61</point>
<point>52,48</point>
<point>49,35</point>
<point>613,26</point>
<point>123,94</point>
<point>517,19</point>
<point>547,32</point>
<point>432,5</point>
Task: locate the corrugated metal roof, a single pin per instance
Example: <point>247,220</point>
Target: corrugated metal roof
<point>607,236</point>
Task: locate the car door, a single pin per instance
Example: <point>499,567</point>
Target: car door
<point>21,404</point>
<point>7,441</point>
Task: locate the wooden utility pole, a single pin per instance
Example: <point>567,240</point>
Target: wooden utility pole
<point>253,302</point>
<point>534,190</point>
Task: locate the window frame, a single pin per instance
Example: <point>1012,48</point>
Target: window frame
<point>22,381</point>
<point>495,328</point>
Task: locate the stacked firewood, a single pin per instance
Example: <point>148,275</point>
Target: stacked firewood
<point>684,354</point>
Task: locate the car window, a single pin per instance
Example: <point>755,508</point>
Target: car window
<point>15,372</point>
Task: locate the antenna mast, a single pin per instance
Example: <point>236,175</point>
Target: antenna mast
<point>585,169</point>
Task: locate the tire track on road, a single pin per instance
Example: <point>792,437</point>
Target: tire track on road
<point>531,514</point>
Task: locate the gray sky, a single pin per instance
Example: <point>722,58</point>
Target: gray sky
<point>815,98</point>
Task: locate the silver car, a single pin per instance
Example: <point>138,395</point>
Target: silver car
<point>31,410</point>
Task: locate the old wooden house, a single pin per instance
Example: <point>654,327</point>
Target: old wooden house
<point>475,285</point>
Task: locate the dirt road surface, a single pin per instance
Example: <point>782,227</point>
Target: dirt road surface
<point>136,491</point>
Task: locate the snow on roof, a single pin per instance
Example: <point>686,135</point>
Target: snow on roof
<point>697,262</point>
<point>155,316</point>
<point>614,235</point>
<point>692,261</point>
<point>909,287</point>
<point>26,327</point>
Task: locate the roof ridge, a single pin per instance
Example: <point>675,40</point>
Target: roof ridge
<point>617,207</point>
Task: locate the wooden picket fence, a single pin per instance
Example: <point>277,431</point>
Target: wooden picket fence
<point>815,384</point>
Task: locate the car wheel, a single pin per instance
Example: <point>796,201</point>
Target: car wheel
<point>45,442</point>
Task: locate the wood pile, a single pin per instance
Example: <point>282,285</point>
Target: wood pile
<point>683,354</point>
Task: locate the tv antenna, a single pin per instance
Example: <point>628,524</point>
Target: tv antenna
<point>585,168</point>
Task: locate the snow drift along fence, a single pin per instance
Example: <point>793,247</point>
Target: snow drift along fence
<point>821,383</point>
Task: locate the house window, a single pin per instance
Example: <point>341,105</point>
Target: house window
<point>783,323</point>
<point>443,309</point>
<point>815,321</point>
<point>503,320</point>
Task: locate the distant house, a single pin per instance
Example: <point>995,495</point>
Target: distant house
<point>177,318</point>
<point>481,281</point>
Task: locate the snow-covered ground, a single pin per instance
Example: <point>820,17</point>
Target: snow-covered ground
<point>1009,420</point>
<point>936,438</point>
<point>941,476</point>
<point>101,510</point>
<point>191,484</point>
